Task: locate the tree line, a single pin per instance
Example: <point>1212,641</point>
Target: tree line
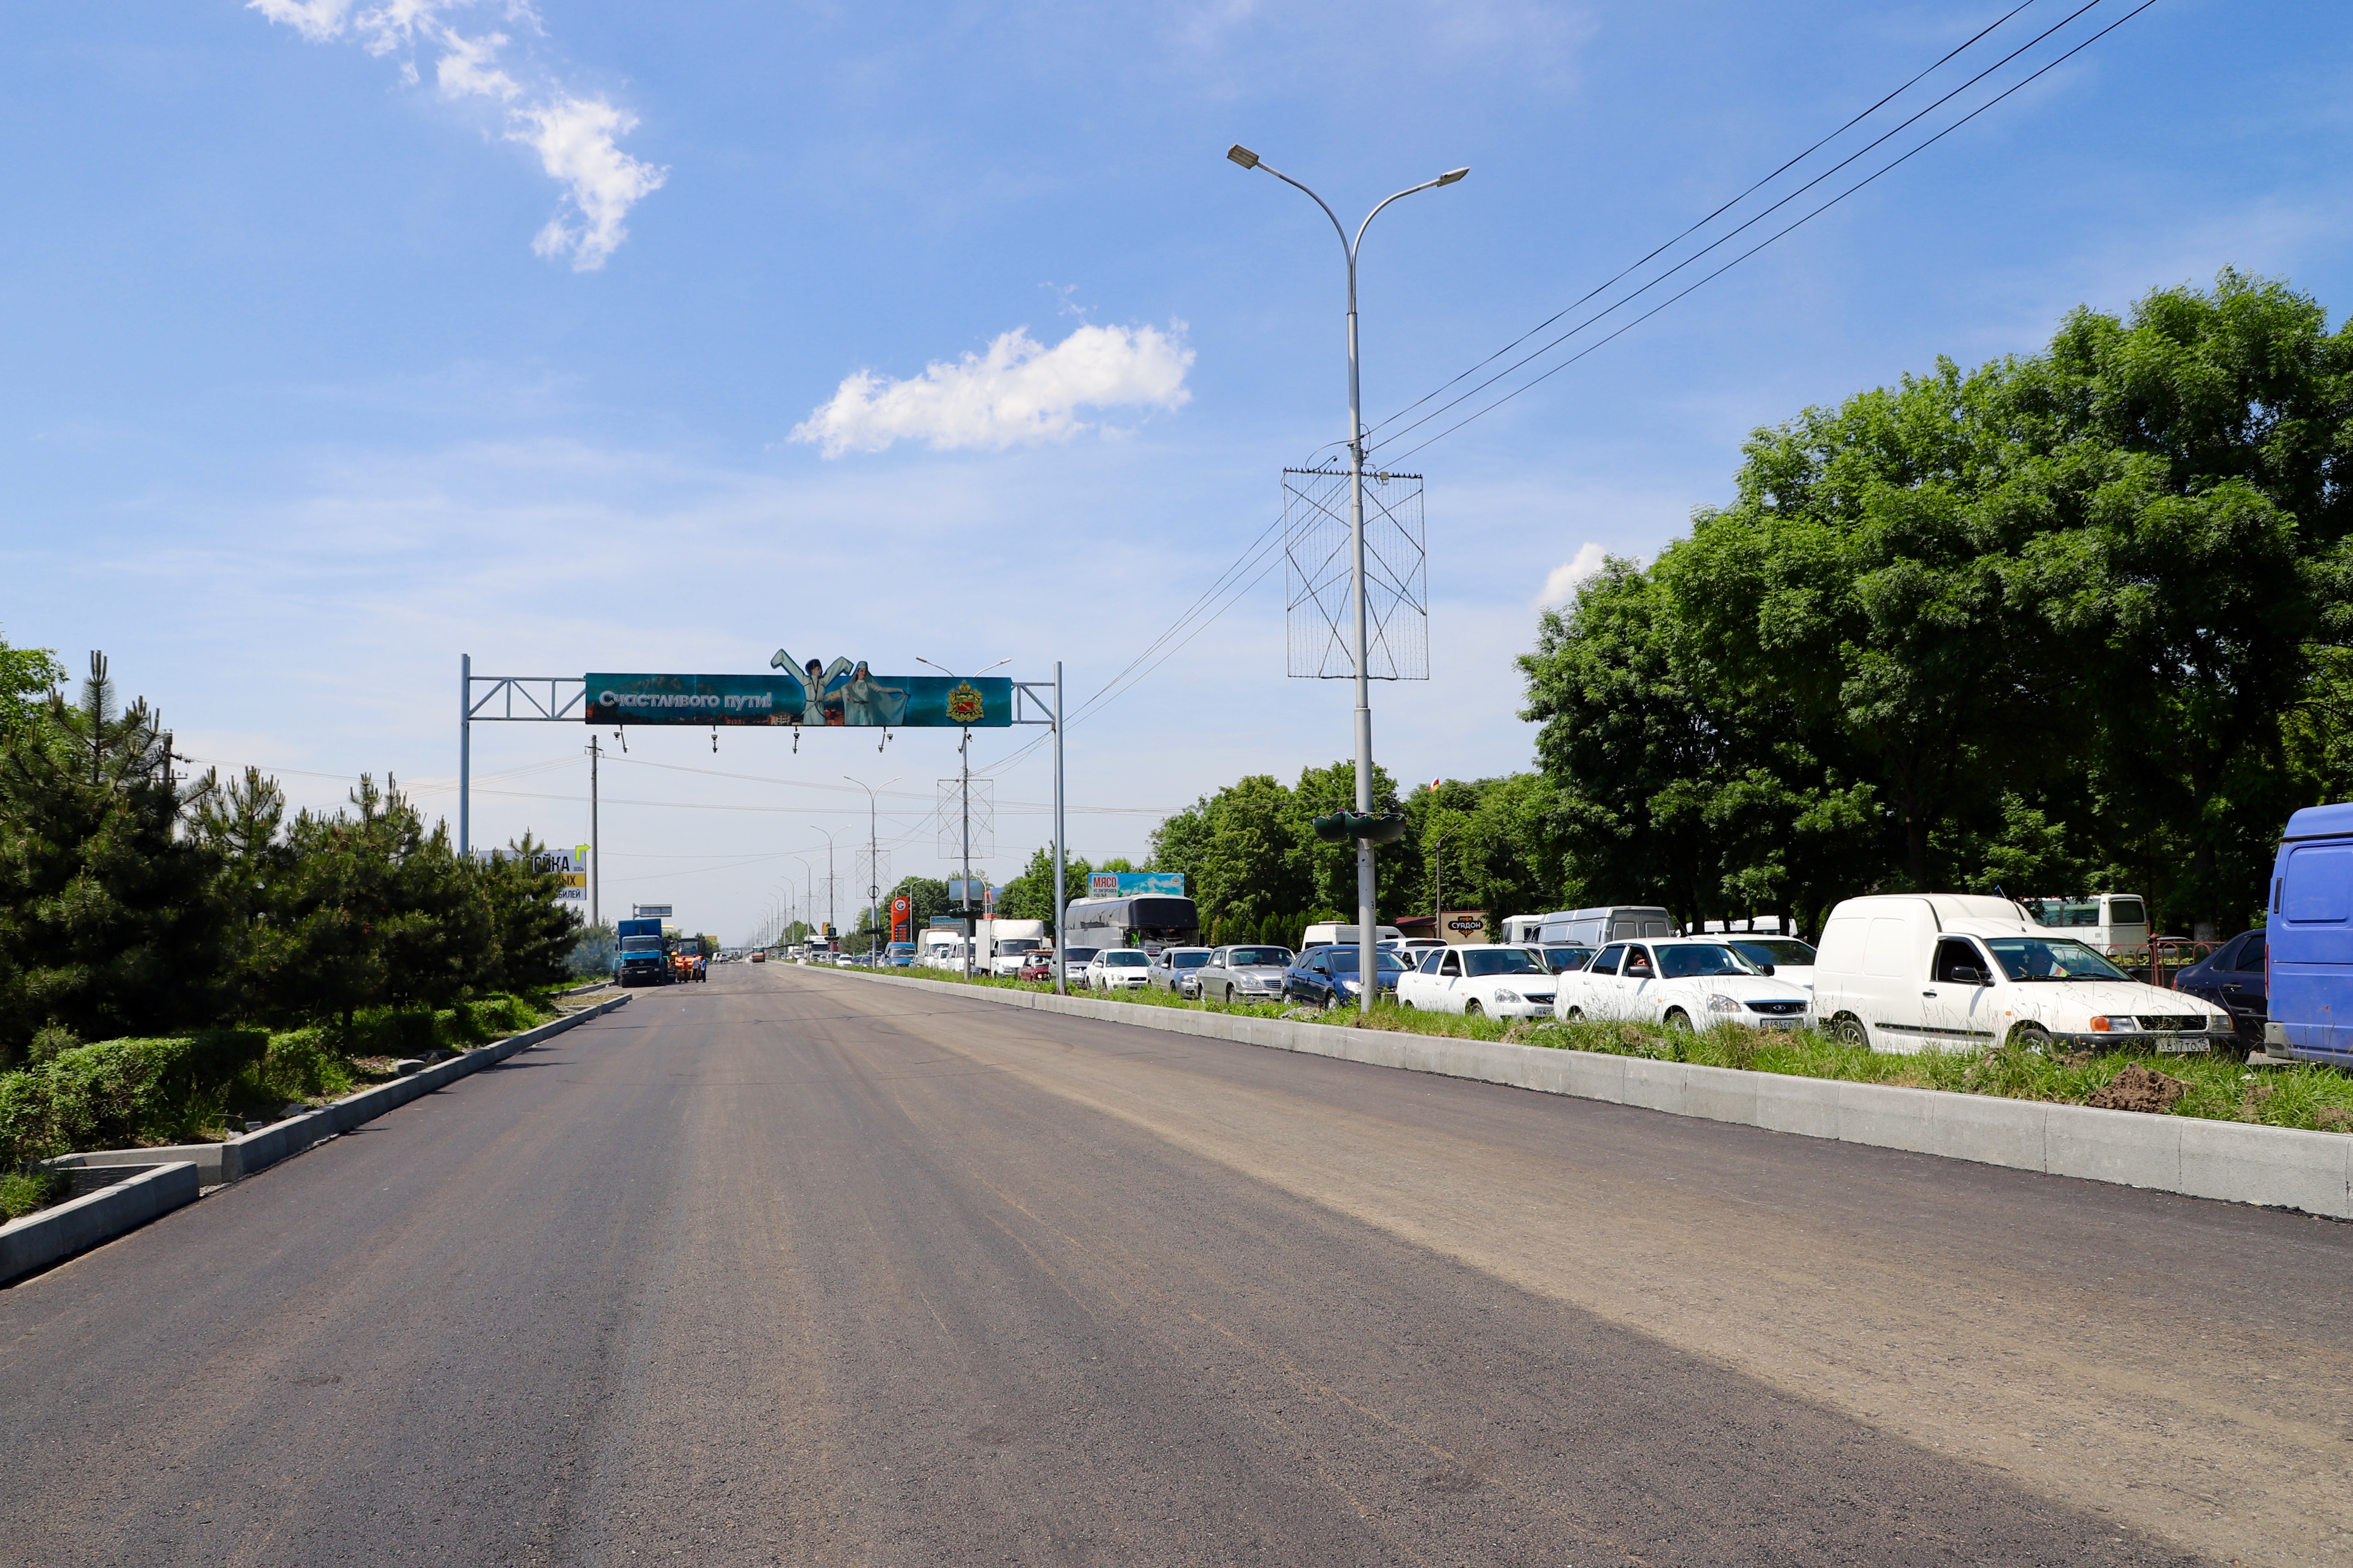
<point>2074,621</point>
<point>137,901</point>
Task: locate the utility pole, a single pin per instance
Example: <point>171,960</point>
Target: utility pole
<point>1367,934</point>
<point>964,753</point>
<point>874,863</point>
<point>465,752</point>
<point>596,850</point>
<point>830,916</point>
<point>1061,850</point>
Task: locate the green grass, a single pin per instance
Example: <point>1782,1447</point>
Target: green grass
<point>22,1192</point>
<point>2221,1086</point>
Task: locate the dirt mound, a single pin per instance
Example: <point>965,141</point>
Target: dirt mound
<point>2139,1088</point>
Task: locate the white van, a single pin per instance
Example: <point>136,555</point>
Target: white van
<point>1330,935</point>
<point>1520,931</point>
<point>1911,972</point>
<point>2109,923</point>
<point>1598,927</point>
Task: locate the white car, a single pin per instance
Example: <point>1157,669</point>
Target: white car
<point>1682,982</point>
<point>1119,969</point>
<point>1492,979</point>
<point>1906,973</point>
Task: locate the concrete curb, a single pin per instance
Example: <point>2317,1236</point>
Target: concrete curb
<point>2237,1161</point>
<point>217,1164</point>
<point>40,1239</point>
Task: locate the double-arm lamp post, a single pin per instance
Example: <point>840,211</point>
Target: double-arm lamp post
<point>1367,934</point>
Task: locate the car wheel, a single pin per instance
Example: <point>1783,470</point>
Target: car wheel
<point>1330,1001</point>
<point>1404,1006</point>
<point>1573,1015</point>
<point>1848,1030</point>
<point>1471,1009</point>
<point>1677,1018</point>
<point>1229,996</point>
<point>2031,1038</point>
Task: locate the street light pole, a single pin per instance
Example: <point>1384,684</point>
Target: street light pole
<point>1368,934</point>
<point>874,858</point>
<point>833,917</point>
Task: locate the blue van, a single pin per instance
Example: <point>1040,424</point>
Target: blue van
<point>2310,992</point>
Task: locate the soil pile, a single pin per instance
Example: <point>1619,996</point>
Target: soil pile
<point>2139,1088</point>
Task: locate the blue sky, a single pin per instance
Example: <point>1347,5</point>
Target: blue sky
<point>297,412</point>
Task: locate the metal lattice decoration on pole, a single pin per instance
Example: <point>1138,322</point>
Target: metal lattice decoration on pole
<point>1318,615</point>
<point>873,872</point>
<point>952,817</point>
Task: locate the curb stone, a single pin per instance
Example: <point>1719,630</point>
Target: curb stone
<point>57,1231</point>
<point>2277,1167</point>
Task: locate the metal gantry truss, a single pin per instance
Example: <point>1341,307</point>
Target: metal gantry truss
<point>563,700</point>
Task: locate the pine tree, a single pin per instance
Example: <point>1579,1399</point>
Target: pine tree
<point>109,925</point>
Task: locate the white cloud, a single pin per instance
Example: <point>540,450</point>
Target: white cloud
<point>317,20</point>
<point>576,138</point>
<point>1018,393</point>
<point>1561,583</point>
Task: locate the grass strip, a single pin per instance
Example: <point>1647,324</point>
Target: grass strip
<point>2220,1085</point>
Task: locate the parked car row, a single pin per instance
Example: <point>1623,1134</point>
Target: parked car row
<point>1894,972</point>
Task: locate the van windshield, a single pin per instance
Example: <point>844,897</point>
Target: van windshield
<point>2049,958</point>
<point>1682,963</point>
<point>1777,950</point>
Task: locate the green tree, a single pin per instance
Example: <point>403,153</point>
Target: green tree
<point>27,675</point>
<point>109,925</point>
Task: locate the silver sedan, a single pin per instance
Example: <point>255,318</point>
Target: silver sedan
<point>1238,975</point>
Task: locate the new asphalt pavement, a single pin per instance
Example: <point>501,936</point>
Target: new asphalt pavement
<point>793,1267</point>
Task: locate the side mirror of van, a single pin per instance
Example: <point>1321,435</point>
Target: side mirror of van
<point>1765,969</point>
<point>1964,975</point>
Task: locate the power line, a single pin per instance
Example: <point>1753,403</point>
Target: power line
<point>1702,222</point>
<point>1752,250</point>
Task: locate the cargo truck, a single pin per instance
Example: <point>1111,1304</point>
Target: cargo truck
<point>645,952</point>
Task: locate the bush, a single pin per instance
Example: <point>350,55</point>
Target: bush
<point>301,1064</point>
<point>119,1091</point>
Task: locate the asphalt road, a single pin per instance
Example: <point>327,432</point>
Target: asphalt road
<point>797,1268</point>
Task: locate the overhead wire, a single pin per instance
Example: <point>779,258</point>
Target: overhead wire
<point>1635,266</point>
<point>1762,244</point>
<point>1751,222</point>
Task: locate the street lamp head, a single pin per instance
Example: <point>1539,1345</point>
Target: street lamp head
<point>1244,156</point>
<point>1451,175</point>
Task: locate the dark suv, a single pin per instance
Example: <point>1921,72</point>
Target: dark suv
<point>2233,979</point>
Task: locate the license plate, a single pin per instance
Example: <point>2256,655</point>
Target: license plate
<point>2181,1045</point>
